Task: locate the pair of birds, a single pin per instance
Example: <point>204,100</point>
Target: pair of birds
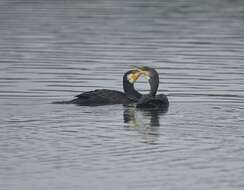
<point>130,95</point>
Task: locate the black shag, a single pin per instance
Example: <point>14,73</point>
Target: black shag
<point>152,100</point>
<point>105,97</point>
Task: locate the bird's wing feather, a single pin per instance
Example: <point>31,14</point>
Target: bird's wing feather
<point>100,96</point>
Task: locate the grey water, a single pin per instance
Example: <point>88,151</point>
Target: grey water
<point>53,50</point>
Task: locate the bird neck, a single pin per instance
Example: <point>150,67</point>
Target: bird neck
<point>129,90</point>
<point>154,82</point>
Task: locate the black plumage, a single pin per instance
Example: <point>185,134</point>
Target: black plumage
<point>152,100</point>
<point>106,97</point>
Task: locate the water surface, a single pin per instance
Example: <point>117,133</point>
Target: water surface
<point>54,50</point>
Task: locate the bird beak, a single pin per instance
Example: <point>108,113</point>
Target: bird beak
<point>132,77</point>
<point>143,72</point>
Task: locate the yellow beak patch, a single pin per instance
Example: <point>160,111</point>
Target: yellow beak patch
<point>132,77</point>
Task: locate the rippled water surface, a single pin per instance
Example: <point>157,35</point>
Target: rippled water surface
<point>53,50</point>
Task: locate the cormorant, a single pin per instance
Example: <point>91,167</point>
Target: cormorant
<point>105,97</point>
<point>152,100</point>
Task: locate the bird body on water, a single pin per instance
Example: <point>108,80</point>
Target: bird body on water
<point>101,97</point>
<point>148,101</point>
<point>106,97</point>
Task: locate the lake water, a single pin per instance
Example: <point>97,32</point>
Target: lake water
<point>53,50</point>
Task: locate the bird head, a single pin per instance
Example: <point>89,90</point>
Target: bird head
<point>147,72</point>
<point>133,75</point>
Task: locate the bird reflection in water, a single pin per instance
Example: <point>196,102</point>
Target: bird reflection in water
<point>145,121</point>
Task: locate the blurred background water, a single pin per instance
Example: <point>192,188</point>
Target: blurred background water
<point>52,50</point>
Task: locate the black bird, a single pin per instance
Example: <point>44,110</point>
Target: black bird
<point>105,97</point>
<point>152,100</point>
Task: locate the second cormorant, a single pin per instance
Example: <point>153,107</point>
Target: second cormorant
<point>152,100</point>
